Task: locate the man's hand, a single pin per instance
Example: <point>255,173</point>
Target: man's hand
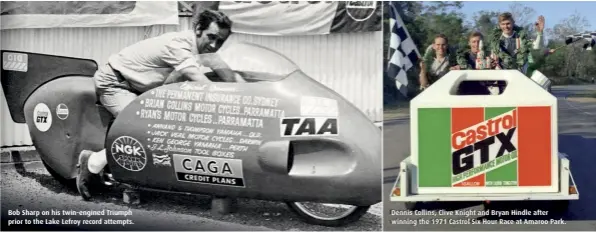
<point>423,83</point>
<point>193,73</point>
<point>455,68</point>
<point>495,64</point>
<point>218,65</point>
<point>540,24</point>
<point>239,78</point>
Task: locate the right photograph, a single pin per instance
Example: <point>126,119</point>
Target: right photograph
<point>489,116</point>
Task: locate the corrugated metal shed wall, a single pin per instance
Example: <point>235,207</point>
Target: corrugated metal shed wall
<point>347,63</point>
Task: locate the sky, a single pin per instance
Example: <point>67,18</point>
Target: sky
<point>553,12</point>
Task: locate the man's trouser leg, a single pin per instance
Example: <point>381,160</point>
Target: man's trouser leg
<point>114,96</point>
<point>114,102</point>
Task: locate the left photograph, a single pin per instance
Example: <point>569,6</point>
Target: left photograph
<point>179,115</point>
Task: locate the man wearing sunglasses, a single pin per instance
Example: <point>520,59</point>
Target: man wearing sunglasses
<point>152,63</point>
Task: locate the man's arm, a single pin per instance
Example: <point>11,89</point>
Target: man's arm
<point>193,73</point>
<point>423,76</point>
<point>539,29</point>
<point>538,41</point>
<point>178,54</point>
<point>221,68</point>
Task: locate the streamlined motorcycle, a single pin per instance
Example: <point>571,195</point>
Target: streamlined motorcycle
<point>278,135</point>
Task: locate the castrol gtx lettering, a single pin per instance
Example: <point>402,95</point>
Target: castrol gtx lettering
<point>492,139</point>
<point>484,147</point>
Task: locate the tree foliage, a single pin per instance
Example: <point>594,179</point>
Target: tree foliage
<point>424,20</point>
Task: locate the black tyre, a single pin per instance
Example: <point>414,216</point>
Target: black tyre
<point>313,215</point>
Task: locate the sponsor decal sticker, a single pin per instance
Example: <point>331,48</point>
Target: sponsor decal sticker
<point>42,117</point>
<point>485,147</point>
<point>208,170</point>
<point>318,107</point>
<point>129,153</point>
<point>315,126</point>
<point>161,160</point>
<point>62,111</point>
<point>361,10</point>
<point>15,61</point>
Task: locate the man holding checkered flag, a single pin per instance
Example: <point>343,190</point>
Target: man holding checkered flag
<point>403,53</point>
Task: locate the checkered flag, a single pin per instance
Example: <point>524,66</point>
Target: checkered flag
<point>402,50</point>
<point>590,39</point>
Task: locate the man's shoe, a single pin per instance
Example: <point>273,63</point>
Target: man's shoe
<point>85,178</point>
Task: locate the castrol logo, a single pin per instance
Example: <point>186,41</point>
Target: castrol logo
<point>484,142</point>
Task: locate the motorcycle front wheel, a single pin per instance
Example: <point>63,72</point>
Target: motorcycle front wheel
<point>331,215</point>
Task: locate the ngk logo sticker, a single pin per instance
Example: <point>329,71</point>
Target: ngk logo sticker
<point>129,153</point>
<point>42,117</point>
<point>484,146</point>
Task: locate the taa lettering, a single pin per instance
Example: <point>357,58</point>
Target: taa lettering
<point>309,126</point>
<point>463,159</point>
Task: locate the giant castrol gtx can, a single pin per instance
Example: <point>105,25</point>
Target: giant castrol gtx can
<point>504,143</point>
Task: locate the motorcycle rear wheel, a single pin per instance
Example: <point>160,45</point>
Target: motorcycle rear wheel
<point>313,216</point>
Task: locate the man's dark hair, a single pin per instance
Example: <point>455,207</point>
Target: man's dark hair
<point>206,17</point>
<point>443,36</point>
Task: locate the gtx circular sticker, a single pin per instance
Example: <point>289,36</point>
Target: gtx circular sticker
<point>62,111</point>
<point>129,153</point>
<point>42,117</point>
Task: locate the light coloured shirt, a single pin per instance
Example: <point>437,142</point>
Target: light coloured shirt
<point>538,42</point>
<point>438,68</point>
<point>148,63</point>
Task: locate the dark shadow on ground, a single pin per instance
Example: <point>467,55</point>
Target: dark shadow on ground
<point>46,181</point>
<point>581,153</point>
<point>274,215</point>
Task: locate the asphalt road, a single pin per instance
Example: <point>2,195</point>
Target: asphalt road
<point>28,186</point>
<point>577,138</point>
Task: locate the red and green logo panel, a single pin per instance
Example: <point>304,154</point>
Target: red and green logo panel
<point>484,147</point>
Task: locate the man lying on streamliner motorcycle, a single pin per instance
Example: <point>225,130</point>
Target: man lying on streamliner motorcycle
<point>149,64</point>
